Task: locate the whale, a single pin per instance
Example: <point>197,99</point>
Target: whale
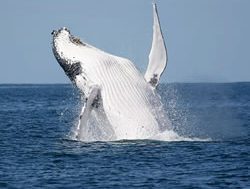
<point>119,102</point>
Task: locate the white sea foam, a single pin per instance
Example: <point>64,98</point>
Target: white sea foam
<point>96,127</point>
<point>170,135</point>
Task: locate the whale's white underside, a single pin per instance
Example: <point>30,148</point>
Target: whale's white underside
<point>121,102</point>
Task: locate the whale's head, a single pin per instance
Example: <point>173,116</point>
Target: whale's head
<point>69,52</point>
<point>65,47</point>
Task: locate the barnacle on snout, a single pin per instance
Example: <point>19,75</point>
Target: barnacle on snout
<point>76,40</point>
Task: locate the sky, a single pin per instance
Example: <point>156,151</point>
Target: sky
<point>207,40</point>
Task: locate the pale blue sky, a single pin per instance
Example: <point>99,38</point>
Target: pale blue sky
<point>207,40</point>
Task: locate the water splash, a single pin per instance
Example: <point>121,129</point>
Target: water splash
<point>171,122</point>
<point>172,136</point>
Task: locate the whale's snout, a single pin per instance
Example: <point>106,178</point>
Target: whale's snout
<point>62,41</point>
<point>62,30</point>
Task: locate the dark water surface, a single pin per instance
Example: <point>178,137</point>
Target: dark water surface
<point>36,152</point>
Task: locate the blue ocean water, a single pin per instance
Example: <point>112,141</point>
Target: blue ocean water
<point>37,152</point>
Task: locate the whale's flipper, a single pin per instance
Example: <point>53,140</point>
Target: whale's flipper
<point>158,54</point>
<point>92,101</point>
<point>92,114</point>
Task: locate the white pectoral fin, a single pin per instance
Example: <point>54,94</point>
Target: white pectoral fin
<point>158,54</point>
<point>91,102</point>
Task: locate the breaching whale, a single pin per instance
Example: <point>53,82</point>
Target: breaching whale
<point>120,102</point>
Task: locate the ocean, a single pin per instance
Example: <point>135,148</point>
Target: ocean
<point>36,150</point>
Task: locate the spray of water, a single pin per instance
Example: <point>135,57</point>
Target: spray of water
<point>171,121</point>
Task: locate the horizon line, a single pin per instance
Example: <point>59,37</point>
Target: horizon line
<point>174,82</point>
